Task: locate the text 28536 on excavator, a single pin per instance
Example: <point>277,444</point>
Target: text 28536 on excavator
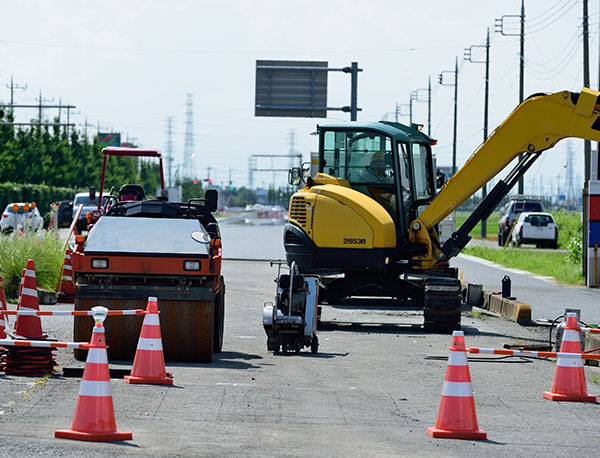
<point>367,223</point>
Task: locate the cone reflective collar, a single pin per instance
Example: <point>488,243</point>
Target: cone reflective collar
<point>569,377</point>
<point>149,362</point>
<point>457,418</point>
<point>94,418</point>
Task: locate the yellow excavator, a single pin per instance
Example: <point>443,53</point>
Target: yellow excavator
<point>367,223</point>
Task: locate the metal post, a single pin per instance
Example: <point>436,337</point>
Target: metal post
<point>354,91</point>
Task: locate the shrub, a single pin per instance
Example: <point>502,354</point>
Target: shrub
<point>46,253</point>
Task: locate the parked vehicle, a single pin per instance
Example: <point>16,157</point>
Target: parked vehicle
<point>65,212</point>
<point>535,227</point>
<point>516,205</point>
<point>21,214</point>
<point>88,206</point>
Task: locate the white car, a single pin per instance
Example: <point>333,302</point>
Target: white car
<point>535,227</point>
<point>21,215</point>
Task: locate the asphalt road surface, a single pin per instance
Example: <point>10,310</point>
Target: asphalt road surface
<point>372,390</point>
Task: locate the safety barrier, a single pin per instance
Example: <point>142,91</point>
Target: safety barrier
<point>70,313</point>
<point>44,344</point>
<point>538,354</point>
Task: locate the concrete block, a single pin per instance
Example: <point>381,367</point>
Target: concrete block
<point>486,299</point>
<point>516,311</point>
<point>509,309</point>
<point>495,303</point>
<point>592,341</point>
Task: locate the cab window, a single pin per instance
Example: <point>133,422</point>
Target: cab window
<point>359,157</point>
<point>420,162</point>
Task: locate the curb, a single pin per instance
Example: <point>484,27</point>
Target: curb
<point>592,341</point>
<point>508,308</point>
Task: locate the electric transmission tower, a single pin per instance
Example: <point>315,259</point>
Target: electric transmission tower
<point>569,192</point>
<point>169,149</point>
<point>292,148</point>
<point>189,170</point>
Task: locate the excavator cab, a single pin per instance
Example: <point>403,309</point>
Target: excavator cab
<point>389,162</point>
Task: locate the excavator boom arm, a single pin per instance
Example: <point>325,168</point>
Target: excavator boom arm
<point>534,126</point>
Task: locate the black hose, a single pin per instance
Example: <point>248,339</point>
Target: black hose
<point>551,326</point>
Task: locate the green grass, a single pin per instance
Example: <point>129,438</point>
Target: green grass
<point>46,253</point>
<point>491,231</point>
<point>548,263</point>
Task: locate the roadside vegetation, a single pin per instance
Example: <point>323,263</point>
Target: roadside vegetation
<point>564,267</point>
<point>46,252</point>
<point>548,263</point>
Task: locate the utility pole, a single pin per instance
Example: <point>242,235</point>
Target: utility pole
<point>12,88</point>
<point>499,26</point>
<point>469,57</point>
<point>429,107</point>
<point>415,95</point>
<point>522,76</point>
<point>455,84</point>
<point>587,145</point>
<point>586,83</point>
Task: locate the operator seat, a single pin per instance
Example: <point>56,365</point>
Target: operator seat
<point>131,192</point>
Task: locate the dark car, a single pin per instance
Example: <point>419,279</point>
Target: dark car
<point>516,205</point>
<point>65,213</point>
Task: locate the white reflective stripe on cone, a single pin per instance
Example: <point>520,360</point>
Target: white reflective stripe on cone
<point>97,355</point>
<point>29,292</point>
<point>67,277</point>
<point>152,319</point>
<point>457,358</point>
<point>458,389</point>
<point>93,388</point>
<point>30,273</point>
<point>570,362</point>
<point>570,335</point>
<point>67,267</point>
<point>149,344</point>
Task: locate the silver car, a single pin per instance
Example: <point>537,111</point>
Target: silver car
<point>21,215</point>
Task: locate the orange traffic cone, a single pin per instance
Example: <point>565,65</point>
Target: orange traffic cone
<point>457,418</point>
<point>66,291</point>
<point>569,378</point>
<point>94,418</point>
<point>149,362</point>
<point>29,326</point>
<point>3,318</point>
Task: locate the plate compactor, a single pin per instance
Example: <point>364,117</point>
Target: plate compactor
<point>291,323</point>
